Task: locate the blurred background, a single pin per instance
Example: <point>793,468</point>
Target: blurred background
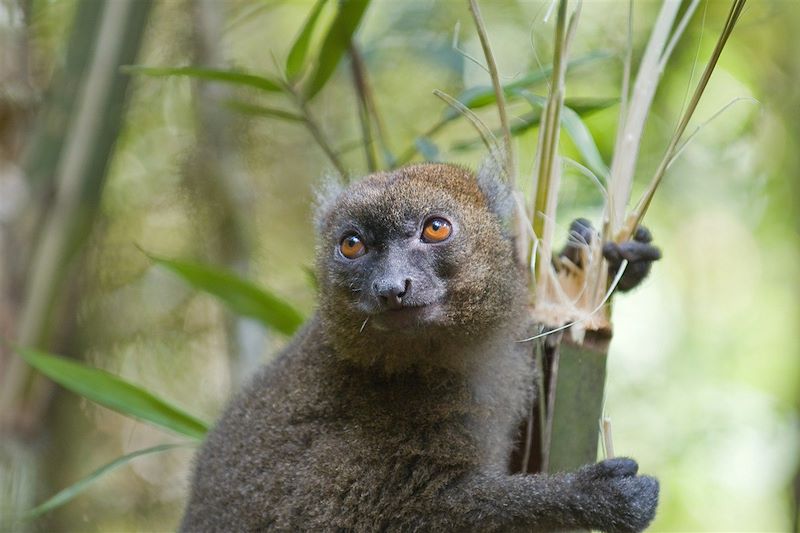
<point>704,370</point>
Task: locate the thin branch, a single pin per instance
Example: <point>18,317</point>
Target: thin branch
<point>463,53</point>
<point>608,441</point>
<point>486,134</point>
<point>360,82</point>
<point>708,121</point>
<point>315,129</point>
<point>498,90</point>
<point>372,108</point>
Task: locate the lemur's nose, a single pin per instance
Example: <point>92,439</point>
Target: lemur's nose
<point>391,292</point>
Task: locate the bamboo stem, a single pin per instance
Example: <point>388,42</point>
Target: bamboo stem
<point>79,181</point>
<point>639,211</point>
<point>359,81</point>
<point>547,165</point>
<point>498,91</point>
<point>626,150</point>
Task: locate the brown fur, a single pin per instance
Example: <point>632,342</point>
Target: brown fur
<point>359,427</point>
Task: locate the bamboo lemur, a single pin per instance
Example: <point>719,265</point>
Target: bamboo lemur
<point>395,407</point>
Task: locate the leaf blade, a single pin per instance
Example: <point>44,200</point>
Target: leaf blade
<point>577,130</point>
<point>262,111</point>
<point>232,77</point>
<point>482,96</point>
<point>241,296</point>
<point>65,495</point>
<point>114,393</point>
<point>584,141</point>
<point>299,50</point>
<point>523,123</point>
<point>336,42</point>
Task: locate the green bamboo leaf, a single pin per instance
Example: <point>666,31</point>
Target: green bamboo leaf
<point>242,296</point>
<point>233,77</point>
<point>577,131</point>
<point>583,105</point>
<point>584,141</point>
<point>262,111</point>
<point>523,123</point>
<point>113,392</point>
<point>335,44</point>
<point>526,122</point>
<point>299,50</point>
<point>477,97</point>
<point>76,488</point>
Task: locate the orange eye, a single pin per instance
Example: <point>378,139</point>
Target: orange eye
<point>436,230</point>
<point>352,247</point>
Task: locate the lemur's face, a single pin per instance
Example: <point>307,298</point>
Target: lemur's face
<point>412,250</point>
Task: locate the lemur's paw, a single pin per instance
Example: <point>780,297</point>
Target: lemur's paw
<point>616,467</point>
<point>640,255</point>
<point>615,499</point>
<point>638,252</point>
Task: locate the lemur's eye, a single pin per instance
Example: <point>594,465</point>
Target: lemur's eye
<point>436,229</point>
<point>352,247</point>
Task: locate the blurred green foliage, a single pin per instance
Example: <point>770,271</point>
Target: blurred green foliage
<point>704,370</point>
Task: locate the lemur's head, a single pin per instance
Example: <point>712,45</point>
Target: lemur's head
<point>422,251</point>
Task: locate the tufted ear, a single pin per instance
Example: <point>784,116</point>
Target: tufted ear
<point>325,196</point>
<point>498,193</point>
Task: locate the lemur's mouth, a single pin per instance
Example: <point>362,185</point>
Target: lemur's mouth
<point>407,316</point>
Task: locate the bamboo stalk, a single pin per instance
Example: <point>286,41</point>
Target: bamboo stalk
<point>577,403</point>
<point>639,211</point>
<point>549,131</point>
<point>626,151</point>
<point>499,94</point>
<point>104,37</point>
<point>80,175</point>
<point>485,133</point>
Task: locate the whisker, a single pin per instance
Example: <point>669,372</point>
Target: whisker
<point>364,324</point>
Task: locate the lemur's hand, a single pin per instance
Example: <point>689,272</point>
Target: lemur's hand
<point>639,253</point>
<point>614,497</point>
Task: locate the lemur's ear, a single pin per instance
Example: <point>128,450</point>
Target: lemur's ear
<point>491,181</point>
<point>327,192</point>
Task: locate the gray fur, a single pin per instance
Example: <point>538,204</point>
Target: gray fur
<point>365,425</point>
<point>329,189</point>
<point>498,194</point>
